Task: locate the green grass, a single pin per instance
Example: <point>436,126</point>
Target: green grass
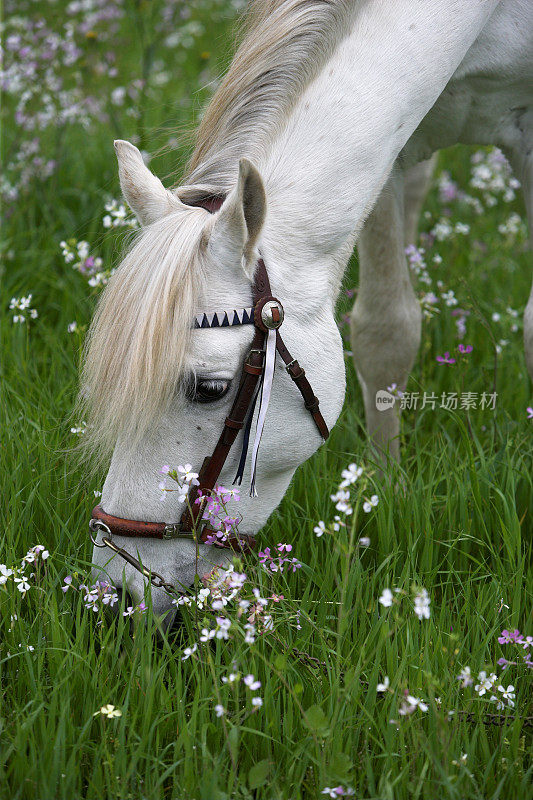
<point>460,527</point>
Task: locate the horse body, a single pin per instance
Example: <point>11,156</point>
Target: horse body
<point>384,86</point>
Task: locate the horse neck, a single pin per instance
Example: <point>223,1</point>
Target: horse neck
<point>326,167</point>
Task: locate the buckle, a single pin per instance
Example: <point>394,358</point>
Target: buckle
<point>172,531</point>
<point>268,314</point>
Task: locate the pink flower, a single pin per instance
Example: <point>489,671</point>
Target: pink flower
<point>510,637</point>
<point>529,410</point>
<point>465,348</point>
<point>446,359</point>
<point>264,555</point>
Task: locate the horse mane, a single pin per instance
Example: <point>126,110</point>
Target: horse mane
<point>285,45</point>
<point>137,346</point>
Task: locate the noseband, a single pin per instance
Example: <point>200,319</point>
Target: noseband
<point>266,316</point>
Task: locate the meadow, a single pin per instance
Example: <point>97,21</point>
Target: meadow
<point>365,661</point>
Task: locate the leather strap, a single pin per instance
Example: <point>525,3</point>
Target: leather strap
<point>160,530</point>
<point>298,375</point>
<point>251,374</point>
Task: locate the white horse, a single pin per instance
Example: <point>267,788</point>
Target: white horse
<point>326,104</point>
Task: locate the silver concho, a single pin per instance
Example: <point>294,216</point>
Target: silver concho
<point>272,314</point>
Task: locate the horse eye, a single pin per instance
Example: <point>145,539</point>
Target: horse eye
<point>206,390</point>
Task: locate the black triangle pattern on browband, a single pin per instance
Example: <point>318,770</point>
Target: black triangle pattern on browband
<point>225,319</point>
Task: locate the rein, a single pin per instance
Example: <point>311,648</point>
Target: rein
<point>267,316</point>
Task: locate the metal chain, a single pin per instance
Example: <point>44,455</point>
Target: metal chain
<point>156,580</point>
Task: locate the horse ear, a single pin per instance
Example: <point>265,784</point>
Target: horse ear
<point>240,220</point>
<point>143,192</point>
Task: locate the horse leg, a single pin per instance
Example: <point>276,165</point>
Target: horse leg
<point>527,187</point>
<point>386,317</point>
<point>521,159</point>
<point>416,185</point>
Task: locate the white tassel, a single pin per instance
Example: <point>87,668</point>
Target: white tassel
<point>268,375</point>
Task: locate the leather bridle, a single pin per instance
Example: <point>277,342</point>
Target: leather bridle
<point>267,318</point>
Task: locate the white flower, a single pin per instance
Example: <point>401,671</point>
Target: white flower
<point>465,676</point>
<point>320,529</point>
<point>364,541</point>
<point>268,622</point>
<point>416,701</point>
<point>189,476</point>
<point>508,694</point>
<point>338,791</point>
<point>182,600</point>
<point>341,500</point>
<point>386,598</point>
<point>83,249</point>
<point>462,759</point>
<point>382,687</point>
<point>251,683</point>
<point>100,279</point>
<point>260,600</point>
<point>224,625</point>
<point>249,637</point>
<point>368,505</point>
<point>219,710</point>
<point>462,227</point>
<point>350,475</point>
<point>118,95</point>
<point>5,573</point>
<point>485,683</point>
<point>72,327</point>
<point>449,298</point>
<point>496,317</point>
<point>207,634</point>
<point>23,584</point>
<point>257,702</point>
<point>442,230</point>
<point>500,705</point>
<point>202,596</point>
<point>187,653</point>
<point>231,678</point>
<point>110,598</point>
<point>421,605</point>
<point>108,711</point>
